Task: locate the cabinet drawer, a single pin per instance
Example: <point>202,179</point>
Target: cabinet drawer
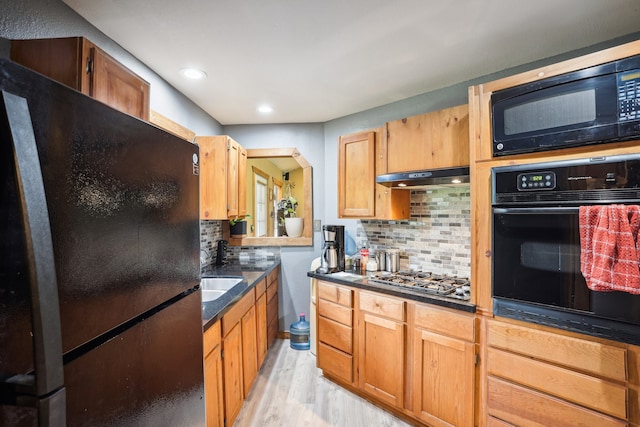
<point>236,312</point>
<point>261,287</point>
<point>271,291</point>
<point>212,338</point>
<point>335,293</point>
<point>494,422</point>
<point>585,390</point>
<point>382,305</point>
<point>335,312</point>
<point>524,407</point>
<point>272,276</point>
<point>582,355</point>
<point>335,335</point>
<point>335,362</point>
<point>446,322</point>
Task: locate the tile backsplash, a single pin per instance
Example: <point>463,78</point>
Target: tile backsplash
<point>210,233</point>
<point>437,238</point>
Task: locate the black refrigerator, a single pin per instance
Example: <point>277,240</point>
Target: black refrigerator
<point>100,304</point>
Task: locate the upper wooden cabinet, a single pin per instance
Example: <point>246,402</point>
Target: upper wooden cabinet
<point>360,158</point>
<point>356,175</point>
<point>223,165</point>
<point>434,140</point>
<point>78,63</point>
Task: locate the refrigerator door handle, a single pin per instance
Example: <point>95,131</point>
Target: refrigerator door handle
<point>46,390</point>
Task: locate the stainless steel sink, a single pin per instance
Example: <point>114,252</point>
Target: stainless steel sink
<point>219,283</point>
<point>210,295</point>
<point>214,287</point>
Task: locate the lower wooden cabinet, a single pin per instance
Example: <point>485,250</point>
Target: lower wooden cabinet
<point>443,366</point>
<point>272,305</point>
<point>381,349</point>
<point>239,358</point>
<point>232,368</point>
<point>416,358</point>
<point>578,381</point>
<point>249,349</point>
<point>335,330</point>
<point>261,321</point>
<point>213,375</point>
<point>521,406</point>
<point>234,350</point>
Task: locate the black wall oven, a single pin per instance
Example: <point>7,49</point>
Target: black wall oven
<point>536,244</point>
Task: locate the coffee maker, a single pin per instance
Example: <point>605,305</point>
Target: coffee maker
<point>332,258</point>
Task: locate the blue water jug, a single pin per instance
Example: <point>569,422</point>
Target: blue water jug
<point>299,334</point>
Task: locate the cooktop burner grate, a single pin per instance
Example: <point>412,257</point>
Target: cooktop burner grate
<point>436,284</point>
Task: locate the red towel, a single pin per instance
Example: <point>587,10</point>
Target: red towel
<point>609,253</point>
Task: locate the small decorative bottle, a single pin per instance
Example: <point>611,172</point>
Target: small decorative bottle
<point>364,258</point>
<point>299,334</point>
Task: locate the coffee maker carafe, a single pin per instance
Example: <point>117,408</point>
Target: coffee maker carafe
<point>332,258</point>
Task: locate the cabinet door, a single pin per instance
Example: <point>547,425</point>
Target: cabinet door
<point>213,388</point>
<point>249,349</point>
<point>381,358</point>
<point>242,181</point>
<point>391,203</point>
<point>272,307</point>
<point>213,376</point>
<point>232,179</point>
<point>432,140</point>
<point>356,175</point>
<point>261,324</point>
<point>78,63</point>
<point>232,363</point>
<point>117,86</point>
<point>213,177</point>
<point>444,379</point>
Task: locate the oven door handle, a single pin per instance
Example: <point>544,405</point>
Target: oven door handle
<point>539,210</point>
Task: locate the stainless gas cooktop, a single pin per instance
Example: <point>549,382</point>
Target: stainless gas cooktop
<point>427,282</point>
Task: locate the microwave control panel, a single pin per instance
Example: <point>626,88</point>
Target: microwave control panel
<point>536,181</point>
<point>629,95</point>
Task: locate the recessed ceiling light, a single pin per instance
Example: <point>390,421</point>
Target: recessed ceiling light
<point>193,73</point>
<point>265,109</point>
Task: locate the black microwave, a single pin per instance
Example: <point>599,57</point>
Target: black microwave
<point>591,106</point>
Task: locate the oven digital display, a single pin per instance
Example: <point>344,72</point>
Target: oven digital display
<point>536,181</point>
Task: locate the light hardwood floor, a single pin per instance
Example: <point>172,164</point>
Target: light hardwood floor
<point>291,391</point>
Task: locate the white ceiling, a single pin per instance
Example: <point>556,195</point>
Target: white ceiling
<point>316,61</point>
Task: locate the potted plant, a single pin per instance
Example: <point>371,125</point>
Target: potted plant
<point>238,226</point>
<point>292,224</point>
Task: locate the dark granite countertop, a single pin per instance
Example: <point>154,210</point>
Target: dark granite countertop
<point>251,273</point>
<point>362,282</point>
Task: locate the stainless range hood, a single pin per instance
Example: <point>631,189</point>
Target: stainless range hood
<point>432,177</point>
